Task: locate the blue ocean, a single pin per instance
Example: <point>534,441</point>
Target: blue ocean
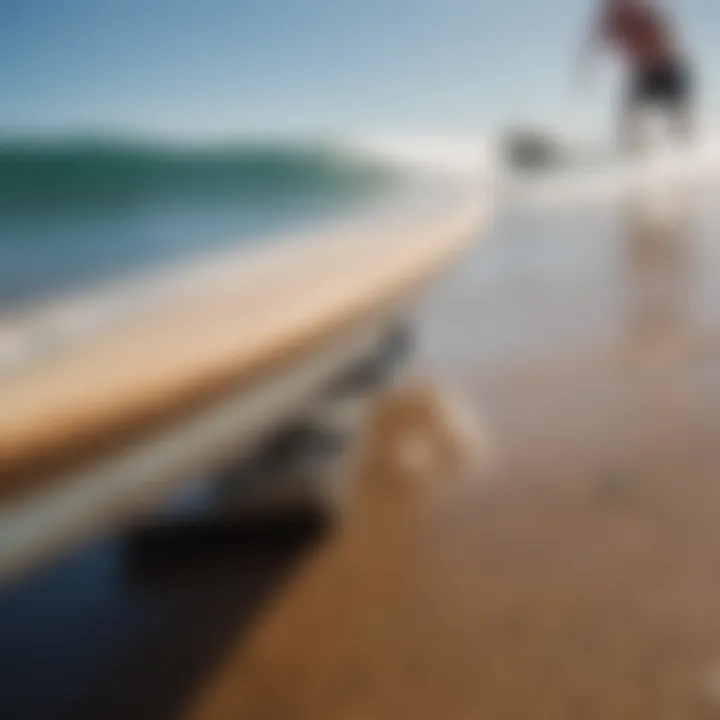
<point>78,212</point>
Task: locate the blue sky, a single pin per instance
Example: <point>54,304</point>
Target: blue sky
<point>232,67</point>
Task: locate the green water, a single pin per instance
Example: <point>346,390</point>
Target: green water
<point>79,212</point>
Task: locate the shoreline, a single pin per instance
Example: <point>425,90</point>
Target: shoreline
<point>37,330</point>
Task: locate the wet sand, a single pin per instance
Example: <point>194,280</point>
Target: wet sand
<point>583,582</point>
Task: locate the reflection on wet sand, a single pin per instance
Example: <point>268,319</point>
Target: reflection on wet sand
<point>659,255</point>
<point>583,581</point>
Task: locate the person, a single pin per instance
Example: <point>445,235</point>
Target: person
<point>658,71</point>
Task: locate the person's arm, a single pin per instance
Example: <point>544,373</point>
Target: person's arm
<point>592,44</point>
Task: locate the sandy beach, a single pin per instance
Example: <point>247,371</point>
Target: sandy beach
<point>581,582</point>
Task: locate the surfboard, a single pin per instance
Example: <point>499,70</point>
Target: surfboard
<point>102,429</point>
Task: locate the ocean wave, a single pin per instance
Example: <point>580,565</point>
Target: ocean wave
<point>50,176</point>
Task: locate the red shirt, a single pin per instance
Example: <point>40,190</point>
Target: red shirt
<point>639,32</point>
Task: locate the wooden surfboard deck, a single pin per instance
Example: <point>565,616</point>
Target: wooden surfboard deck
<point>261,331</point>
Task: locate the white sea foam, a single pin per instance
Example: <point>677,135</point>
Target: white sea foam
<point>456,155</point>
<point>667,169</point>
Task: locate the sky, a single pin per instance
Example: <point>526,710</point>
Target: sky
<point>266,67</point>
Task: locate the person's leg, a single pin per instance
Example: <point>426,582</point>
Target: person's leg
<point>682,122</point>
<point>678,102</point>
<point>630,131</point>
